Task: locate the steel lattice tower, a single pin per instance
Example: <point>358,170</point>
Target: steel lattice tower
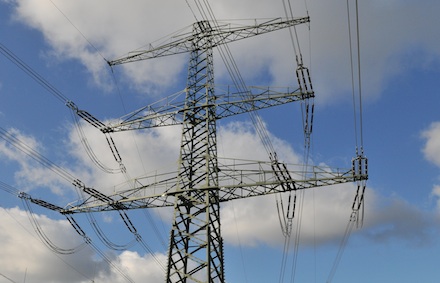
<point>196,246</point>
<point>202,182</point>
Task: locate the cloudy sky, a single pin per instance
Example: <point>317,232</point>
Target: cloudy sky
<point>68,43</point>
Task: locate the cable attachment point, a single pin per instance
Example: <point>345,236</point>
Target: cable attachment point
<point>360,174</point>
<point>360,167</point>
<point>71,105</point>
<point>282,174</point>
<point>306,88</point>
<point>304,80</point>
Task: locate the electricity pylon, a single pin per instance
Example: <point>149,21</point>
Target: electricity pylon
<point>203,180</point>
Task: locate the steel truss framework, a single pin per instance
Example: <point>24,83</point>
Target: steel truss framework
<point>203,180</point>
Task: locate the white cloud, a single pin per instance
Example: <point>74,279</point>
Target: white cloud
<point>30,175</point>
<point>116,28</point>
<point>142,152</point>
<point>23,254</point>
<point>139,268</point>
<point>113,27</point>
<point>393,218</point>
<point>436,195</point>
<point>324,214</point>
<point>322,218</point>
<point>431,150</point>
<point>325,211</point>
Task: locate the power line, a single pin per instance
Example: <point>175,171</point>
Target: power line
<point>42,235</point>
<point>33,74</point>
<point>63,173</point>
<point>44,161</point>
<point>261,129</point>
<point>236,77</point>
<point>79,31</point>
<point>55,254</point>
<point>11,138</point>
<point>9,189</point>
<point>360,162</point>
<point>307,111</point>
<point>305,85</point>
<point>7,278</point>
<point>88,240</point>
<point>359,76</point>
<point>81,113</point>
<point>186,200</point>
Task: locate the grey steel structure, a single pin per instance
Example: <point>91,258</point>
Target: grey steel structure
<point>203,180</point>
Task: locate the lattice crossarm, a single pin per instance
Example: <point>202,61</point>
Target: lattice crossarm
<point>243,178</point>
<point>150,120</point>
<point>238,178</point>
<point>169,111</point>
<point>165,112</point>
<point>219,34</point>
<point>232,103</point>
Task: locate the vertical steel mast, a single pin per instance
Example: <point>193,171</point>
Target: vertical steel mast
<point>196,246</point>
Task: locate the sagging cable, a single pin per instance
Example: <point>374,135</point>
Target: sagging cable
<point>26,199</point>
<point>87,240</point>
<point>360,174</point>
<point>103,237</point>
<point>139,238</point>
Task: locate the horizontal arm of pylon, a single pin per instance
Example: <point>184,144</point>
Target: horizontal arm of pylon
<point>169,111</point>
<point>220,34</point>
<point>237,179</point>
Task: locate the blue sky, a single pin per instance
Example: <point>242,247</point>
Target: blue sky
<point>66,43</point>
